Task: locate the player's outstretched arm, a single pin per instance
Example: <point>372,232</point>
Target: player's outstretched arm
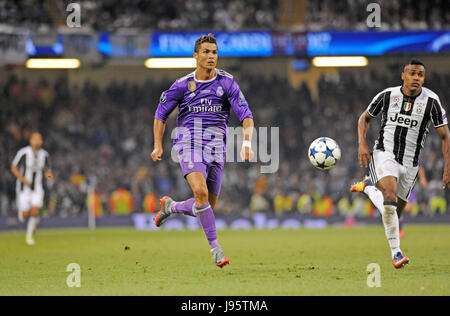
<point>445,138</point>
<point>158,132</point>
<point>423,177</point>
<point>246,151</point>
<point>19,176</point>
<point>363,149</point>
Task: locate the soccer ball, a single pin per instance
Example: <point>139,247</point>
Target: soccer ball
<point>324,153</point>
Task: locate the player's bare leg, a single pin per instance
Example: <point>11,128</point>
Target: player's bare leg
<point>388,186</point>
<point>213,198</point>
<point>33,221</point>
<point>205,215</point>
<point>23,216</point>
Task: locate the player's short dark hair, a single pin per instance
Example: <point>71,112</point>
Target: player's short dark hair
<point>34,131</point>
<point>204,39</point>
<point>415,61</point>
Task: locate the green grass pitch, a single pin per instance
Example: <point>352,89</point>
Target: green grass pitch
<point>332,261</point>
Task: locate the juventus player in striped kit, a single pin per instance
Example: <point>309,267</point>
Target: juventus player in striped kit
<point>29,166</point>
<point>407,111</point>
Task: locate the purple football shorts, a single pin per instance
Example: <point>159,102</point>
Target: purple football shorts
<point>210,168</point>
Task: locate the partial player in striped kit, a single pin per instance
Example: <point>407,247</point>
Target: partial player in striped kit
<point>30,165</point>
<point>407,111</point>
<point>205,99</point>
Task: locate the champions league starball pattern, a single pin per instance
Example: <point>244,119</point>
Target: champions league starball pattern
<point>324,153</point>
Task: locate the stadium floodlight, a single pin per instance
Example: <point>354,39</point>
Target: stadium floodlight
<point>53,63</point>
<point>346,61</point>
<point>166,63</point>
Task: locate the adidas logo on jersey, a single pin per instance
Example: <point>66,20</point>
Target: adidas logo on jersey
<point>404,120</point>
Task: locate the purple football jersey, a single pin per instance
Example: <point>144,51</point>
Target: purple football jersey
<point>204,109</point>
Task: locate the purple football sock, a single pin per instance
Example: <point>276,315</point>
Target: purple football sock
<point>208,223</point>
<point>184,207</point>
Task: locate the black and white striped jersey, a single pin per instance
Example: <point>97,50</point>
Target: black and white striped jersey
<point>32,166</point>
<point>405,122</point>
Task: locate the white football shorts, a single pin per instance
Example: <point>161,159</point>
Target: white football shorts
<point>383,164</point>
<point>27,199</point>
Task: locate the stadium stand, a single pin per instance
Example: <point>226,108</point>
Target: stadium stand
<point>107,133</point>
<point>140,14</point>
<point>107,15</point>
<point>395,15</point>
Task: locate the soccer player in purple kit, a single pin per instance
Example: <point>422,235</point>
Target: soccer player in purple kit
<point>204,98</point>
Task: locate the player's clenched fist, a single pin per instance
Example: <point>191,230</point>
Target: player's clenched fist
<point>156,154</point>
<point>363,155</point>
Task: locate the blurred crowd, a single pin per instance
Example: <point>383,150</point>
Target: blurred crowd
<point>110,15</point>
<point>229,15</point>
<point>102,138</point>
<point>395,15</point>
<point>25,13</point>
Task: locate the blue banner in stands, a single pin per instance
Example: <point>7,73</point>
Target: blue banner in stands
<point>236,44</point>
<point>44,45</point>
<point>123,45</point>
<point>376,43</point>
